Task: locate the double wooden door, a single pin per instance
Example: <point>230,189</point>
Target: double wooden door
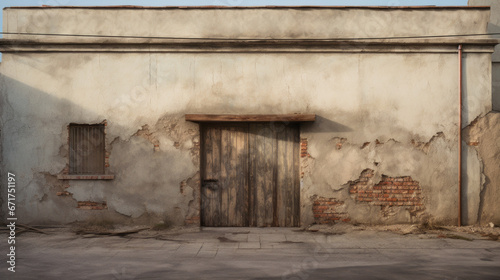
<point>250,175</point>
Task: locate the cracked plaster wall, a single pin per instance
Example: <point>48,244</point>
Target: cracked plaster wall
<point>483,144</point>
<point>143,98</point>
<point>394,113</point>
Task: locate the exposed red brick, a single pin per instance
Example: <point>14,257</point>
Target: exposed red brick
<point>328,211</point>
<point>390,191</point>
<point>303,148</point>
<point>195,220</point>
<point>64,193</point>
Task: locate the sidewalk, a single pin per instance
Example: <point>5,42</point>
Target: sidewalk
<point>251,253</point>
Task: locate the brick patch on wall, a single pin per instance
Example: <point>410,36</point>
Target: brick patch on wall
<point>63,193</point>
<point>329,211</point>
<point>90,205</point>
<point>390,191</point>
<point>303,148</point>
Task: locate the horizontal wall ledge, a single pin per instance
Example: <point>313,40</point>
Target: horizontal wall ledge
<point>85,177</point>
<point>443,45</point>
<point>251,118</point>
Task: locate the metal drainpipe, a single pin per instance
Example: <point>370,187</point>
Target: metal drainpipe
<point>460,136</point>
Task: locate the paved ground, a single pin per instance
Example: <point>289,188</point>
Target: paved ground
<point>251,253</point>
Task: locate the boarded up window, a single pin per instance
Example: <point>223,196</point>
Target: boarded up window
<point>86,148</point>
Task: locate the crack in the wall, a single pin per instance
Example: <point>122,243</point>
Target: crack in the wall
<point>482,195</point>
<point>483,185</point>
<point>114,141</point>
<point>340,142</point>
<point>424,146</point>
<point>193,213</point>
<point>471,134</point>
<point>365,145</point>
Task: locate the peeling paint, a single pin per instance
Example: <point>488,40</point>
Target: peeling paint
<point>485,131</point>
<point>424,146</point>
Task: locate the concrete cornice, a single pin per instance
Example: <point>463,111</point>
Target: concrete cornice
<point>439,45</point>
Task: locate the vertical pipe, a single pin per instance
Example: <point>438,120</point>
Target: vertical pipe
<point>460,136</point>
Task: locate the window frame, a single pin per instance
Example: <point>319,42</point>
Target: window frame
<point>93,164</point>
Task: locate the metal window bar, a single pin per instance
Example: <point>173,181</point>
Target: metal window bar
<point>87,149</point>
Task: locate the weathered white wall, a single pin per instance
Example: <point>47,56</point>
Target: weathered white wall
<point>391,100</point>
<point>247,23</point>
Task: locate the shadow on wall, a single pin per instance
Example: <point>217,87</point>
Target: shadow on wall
<point>34,128</point>
<point>495,68</point>
<point>324,125</point>
<point>495,93</point>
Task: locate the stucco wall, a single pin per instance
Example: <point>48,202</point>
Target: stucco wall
<point>247,23</point>
<point>393,113</point>
<point>493,27</point>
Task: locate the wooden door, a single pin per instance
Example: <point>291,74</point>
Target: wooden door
<point>250,175</point>
<point>224,187</point>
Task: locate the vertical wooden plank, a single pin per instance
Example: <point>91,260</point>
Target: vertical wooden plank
<point>281,185</point>
<point>267,171</point>
<point>216,175</point>
<point>270,179</point>
<point>274,142</point>
<point>225,179</point>
<point>258,183</point>
<point>252,199</point>
<point>207,213</point>
<point>264,167</point>
<point>204,168</point>
<point>244,175</point>
<point>212,193</point>
<point>263,173</point>
<point>207,152</point>
<point>229,164</point>
<point>289,183</point>
<point>241,190</point>
<point>296,176</point>
<point>71,150</point>
<point>211,169</point>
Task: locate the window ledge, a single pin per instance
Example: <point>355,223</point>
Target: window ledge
<point>85,177</point>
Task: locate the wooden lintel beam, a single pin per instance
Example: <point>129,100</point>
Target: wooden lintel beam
<point>251,118</point>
